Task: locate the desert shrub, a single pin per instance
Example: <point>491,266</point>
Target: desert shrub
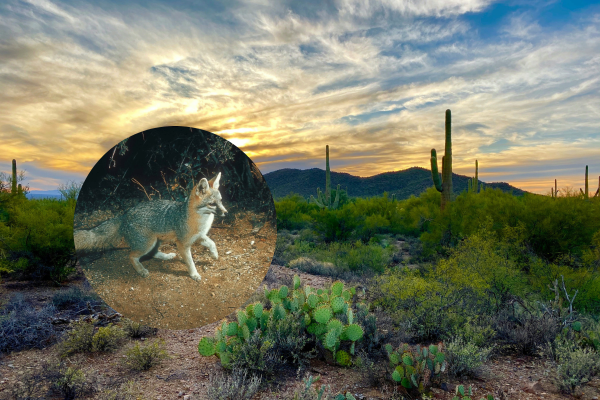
<point>233,386</point>
<point>440,298</point>
<point>586,281</point>
<point>525,330</point>
<point>477,330</point>
<point>129,390</point>
<point>305,391</point>
<point>70,382</point>
<point>464,357</point>
<point>79,339</point>
<point>108,338</point>
<point>38,239</point>
<point>575,366</point>
<point>31,385</point>
<point>83,338</point>
<point>293,212</point>
<point>257,355</point>
<point>372,336</point>
<point>288,338</point>
<point>24,327</point>
<point>142,358</point>
<point>136,330</point>
<point>371,371</point>
<point>73,297</point>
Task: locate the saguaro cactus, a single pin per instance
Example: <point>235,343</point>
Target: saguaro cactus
<point>585,194</point>
<point>474,182</point>
<point>445,185</point>
<point>324,200</point>
<point>554,191</point>
<point>598,191</point>
<point>14,178</point>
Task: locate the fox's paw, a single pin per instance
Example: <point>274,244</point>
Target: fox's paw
<point>165,256</point>
<point>214,255</point>
<point>196,277</point>
<point>144,273</point>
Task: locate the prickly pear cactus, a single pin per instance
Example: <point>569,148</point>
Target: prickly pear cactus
<point>321,312</point>
<point>416,368</point>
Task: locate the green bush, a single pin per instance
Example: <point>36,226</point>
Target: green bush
<point>465,358</point>
<point>575,366</point>
<point>38,239</point>
<point>142,358</point>
<point>432,301</point>
<point>108,338</point>
<point>83,339</point>
<point>233,386</point>
<point>78,340</point>
<point>136,330</point>
<point>70,382</point>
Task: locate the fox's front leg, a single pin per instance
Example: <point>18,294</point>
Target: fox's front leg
<point>186,254</point>
<point>212,247</point>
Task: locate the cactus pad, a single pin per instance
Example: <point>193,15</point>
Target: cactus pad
<point>296,281</point>
<point>336,288</point>
<point>389,348</point>
<point>206,347</point>
<point>258,309</point>
<point>279,312</point>
<point>354,332</point>
<point>250,310</point>
<point>241,317</point>
<point>252,323</point>
<point>220,347</point>
<point>312,300</point>
<point>337,304</point>
<point>350,315</point>
<point>331,339</point>
<point>335,324</point>
<point>322,314</point>
<point>232,329</point>
<point>343,358</point>
<point>283,291</point>
<point>245,332</point>
<point>347,295</point>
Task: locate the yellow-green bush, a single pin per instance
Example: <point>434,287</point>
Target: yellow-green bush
<point>477,277</point>
<point>142,358</point>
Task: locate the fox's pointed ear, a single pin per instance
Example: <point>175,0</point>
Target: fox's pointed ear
<point>214,182</point>
<point>202,187</point>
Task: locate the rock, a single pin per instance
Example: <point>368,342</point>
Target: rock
<point>187,397</point>
<point>533,387</point>
<point>448,387</point>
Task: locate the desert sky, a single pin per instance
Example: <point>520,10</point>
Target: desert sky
<point>281,79</point>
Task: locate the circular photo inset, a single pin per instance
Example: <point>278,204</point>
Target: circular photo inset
<point>175,227</point>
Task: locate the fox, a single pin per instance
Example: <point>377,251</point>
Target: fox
<point>145,226</point>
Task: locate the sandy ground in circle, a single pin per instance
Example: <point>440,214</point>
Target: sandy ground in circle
<point>168,297</point>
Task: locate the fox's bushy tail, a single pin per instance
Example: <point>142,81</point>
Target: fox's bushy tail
<point>105,236</point>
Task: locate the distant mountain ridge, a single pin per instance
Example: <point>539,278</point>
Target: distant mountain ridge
<point>43,194</point>
<point>411,181</point>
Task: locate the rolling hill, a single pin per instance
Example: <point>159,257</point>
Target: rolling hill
<point>411,181</point>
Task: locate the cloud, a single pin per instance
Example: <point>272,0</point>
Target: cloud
<point>282,80</point>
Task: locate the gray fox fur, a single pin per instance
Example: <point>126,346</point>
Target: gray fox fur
<point>146,225</point>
